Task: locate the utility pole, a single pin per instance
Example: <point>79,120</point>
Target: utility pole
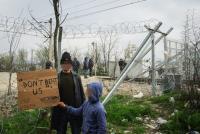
<point>186,51</point>
<point>137,56</point>
<point>153,74</point>
<point>170,49</point>
<point>165,51</point>
<point>176,50</point>
<point>96,60</point>
<point>59,46</point>
<point>50,41</point>
<point>130,64</point>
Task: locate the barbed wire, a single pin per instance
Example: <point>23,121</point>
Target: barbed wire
<point>91,30</point>
<point>17,20</point>
<point>120,28</point>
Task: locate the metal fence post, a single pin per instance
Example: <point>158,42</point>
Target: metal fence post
<point>129,65</point>
<point>153,74</point>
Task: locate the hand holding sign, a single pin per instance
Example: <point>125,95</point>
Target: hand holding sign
<point>62,105</point>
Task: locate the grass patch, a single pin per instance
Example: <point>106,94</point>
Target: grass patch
<point>182,122</point>
<point>164,99</point>
<point>24,122</point>
<point>121,116</point>
<point>122,112</point>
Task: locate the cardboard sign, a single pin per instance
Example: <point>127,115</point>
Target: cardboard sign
<point>37,89</point>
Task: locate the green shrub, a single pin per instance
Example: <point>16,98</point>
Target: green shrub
<point>24,122</point>
<point>181,122</point>
<point>194,121</point>
<point>119,109</point>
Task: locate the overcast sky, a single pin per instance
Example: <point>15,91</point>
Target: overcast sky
<point>170,12</point>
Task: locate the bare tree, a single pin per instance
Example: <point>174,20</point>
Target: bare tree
<point>103,44</point>
<point>14,35</point>
<point>42,55</point>
<point>116,63</point>
<point>96,56</point>
<point>21,61</point>
<point>4,62</point>
<point>112,40</point>
<point>57,7</point>
<point>75,53</point>
<point>107,43</point>
<point>56,30</point>
<point>192,60</point>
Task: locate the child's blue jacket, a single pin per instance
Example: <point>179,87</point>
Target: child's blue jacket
<point>93,112</point>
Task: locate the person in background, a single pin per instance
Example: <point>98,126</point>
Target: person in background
<point>122,64</point>
<point>93,112</point>
<point>86,67</point>
<point>76,65</point>
<point>71,93</point>
<point>91,65</point>
<point>48,65</point>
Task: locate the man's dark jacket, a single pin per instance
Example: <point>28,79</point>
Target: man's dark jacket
<point>76,65</point>
<point>57,113</point>
<point>91,64</point>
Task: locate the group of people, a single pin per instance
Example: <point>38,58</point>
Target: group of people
<point>86,116</point>
<point>88,65</point>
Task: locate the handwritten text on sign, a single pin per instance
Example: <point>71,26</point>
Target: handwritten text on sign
<point>37,89</point>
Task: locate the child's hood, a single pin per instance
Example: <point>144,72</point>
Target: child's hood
<point>96,88</point>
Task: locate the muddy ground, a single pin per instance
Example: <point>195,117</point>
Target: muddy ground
<point>130,88</point>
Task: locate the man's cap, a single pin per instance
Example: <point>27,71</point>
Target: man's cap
<point>66,58</point>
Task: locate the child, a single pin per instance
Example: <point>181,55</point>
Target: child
<point>93,112</point>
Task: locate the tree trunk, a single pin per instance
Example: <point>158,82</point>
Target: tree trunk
<point>108,63</point>
<point>10,74</point>
<point>56,12</point>
<point>9,82</point>
<point>105,63</point>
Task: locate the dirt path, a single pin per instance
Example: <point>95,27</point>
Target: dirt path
<point>126,88</point>
<point>4,77</point>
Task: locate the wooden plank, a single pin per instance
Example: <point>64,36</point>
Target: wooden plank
<point>37,89</point>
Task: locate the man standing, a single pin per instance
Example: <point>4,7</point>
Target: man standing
<point>122,64</point>
<point>48,65</point>
<point>91,65</point>
<point>71,93</point>
<point>76,65</point>
<point>85,67</point>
